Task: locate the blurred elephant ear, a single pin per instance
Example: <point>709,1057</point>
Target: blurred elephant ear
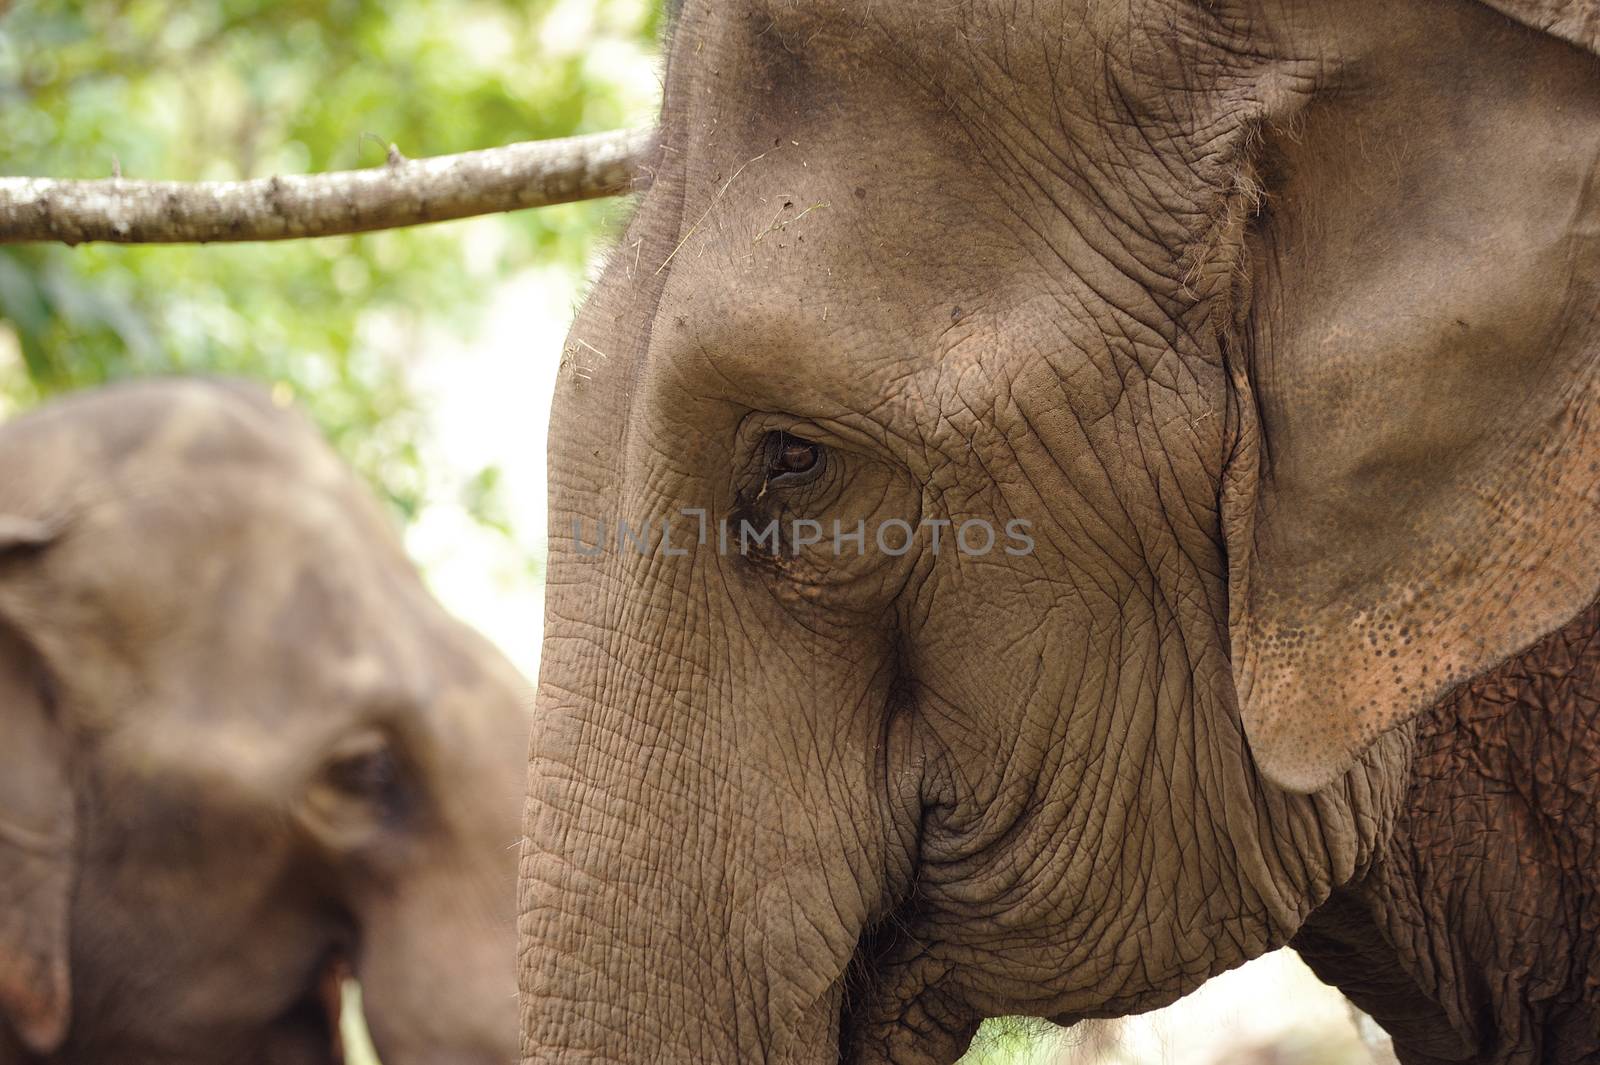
<point>36,823</point>
<point>1413,496</point>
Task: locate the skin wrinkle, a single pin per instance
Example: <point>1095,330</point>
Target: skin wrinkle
<point>1013,807</point>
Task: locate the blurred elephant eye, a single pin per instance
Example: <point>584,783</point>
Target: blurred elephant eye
<point>361,786</point>
<point>791,456</point>
<point>372,773</point>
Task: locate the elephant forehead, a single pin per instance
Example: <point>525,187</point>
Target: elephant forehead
<point>810,285</point>
<point>795,222</point>
<point>1076,64</point>
<point>841,33</point>
<point>224,575</point>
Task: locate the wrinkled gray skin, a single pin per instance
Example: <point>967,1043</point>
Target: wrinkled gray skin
<point>244,752</point>
<point>1275,319</point>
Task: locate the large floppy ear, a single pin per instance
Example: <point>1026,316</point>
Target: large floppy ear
<point>37,823</point>
<point>1413,498</point>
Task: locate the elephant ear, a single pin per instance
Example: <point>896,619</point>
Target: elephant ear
<point>37,824</point>
<point>1413,498</point>
<point>1574,21</point>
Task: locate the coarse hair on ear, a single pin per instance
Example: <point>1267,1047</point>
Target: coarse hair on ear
<point>1415,493</point>
<point>37,822</point>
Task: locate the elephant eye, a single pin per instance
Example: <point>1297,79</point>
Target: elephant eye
<point>791,458</point>
<point>371,774</point>
<point>362,771</point>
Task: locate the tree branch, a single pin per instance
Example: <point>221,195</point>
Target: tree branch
<point>405,192</point>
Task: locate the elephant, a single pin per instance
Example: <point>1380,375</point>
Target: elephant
<point>1053,499</point>
<point>246,754</point>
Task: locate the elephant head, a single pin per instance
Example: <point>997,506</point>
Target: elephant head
<point>244,752</point>
<point>1090,430</point>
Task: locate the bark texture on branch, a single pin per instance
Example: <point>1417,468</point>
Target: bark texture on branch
<point>405,192</point>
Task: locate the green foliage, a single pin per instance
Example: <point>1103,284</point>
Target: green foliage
<point>1015,1041</point>
<point>243,88</point>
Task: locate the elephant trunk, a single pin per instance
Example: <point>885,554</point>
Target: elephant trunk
<point>668,922</point>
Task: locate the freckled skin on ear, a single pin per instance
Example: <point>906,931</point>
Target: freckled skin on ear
<point>1416,498</point>
<point>1501,806</point>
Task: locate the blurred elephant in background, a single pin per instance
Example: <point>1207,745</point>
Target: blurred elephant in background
<point>1273,327</point>
<point>242,752</point>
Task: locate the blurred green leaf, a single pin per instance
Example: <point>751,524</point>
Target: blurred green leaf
<point>233,89</point>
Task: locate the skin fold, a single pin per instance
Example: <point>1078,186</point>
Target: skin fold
<point>1275,323</point>
<point>245,754</point>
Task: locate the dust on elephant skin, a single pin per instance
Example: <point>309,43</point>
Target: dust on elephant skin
<point>245,754</point>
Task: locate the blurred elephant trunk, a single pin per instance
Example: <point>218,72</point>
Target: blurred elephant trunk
<point>437,979</point>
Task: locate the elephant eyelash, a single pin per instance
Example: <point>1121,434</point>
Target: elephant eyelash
<point>791,461</point>
<point>787,477</point>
